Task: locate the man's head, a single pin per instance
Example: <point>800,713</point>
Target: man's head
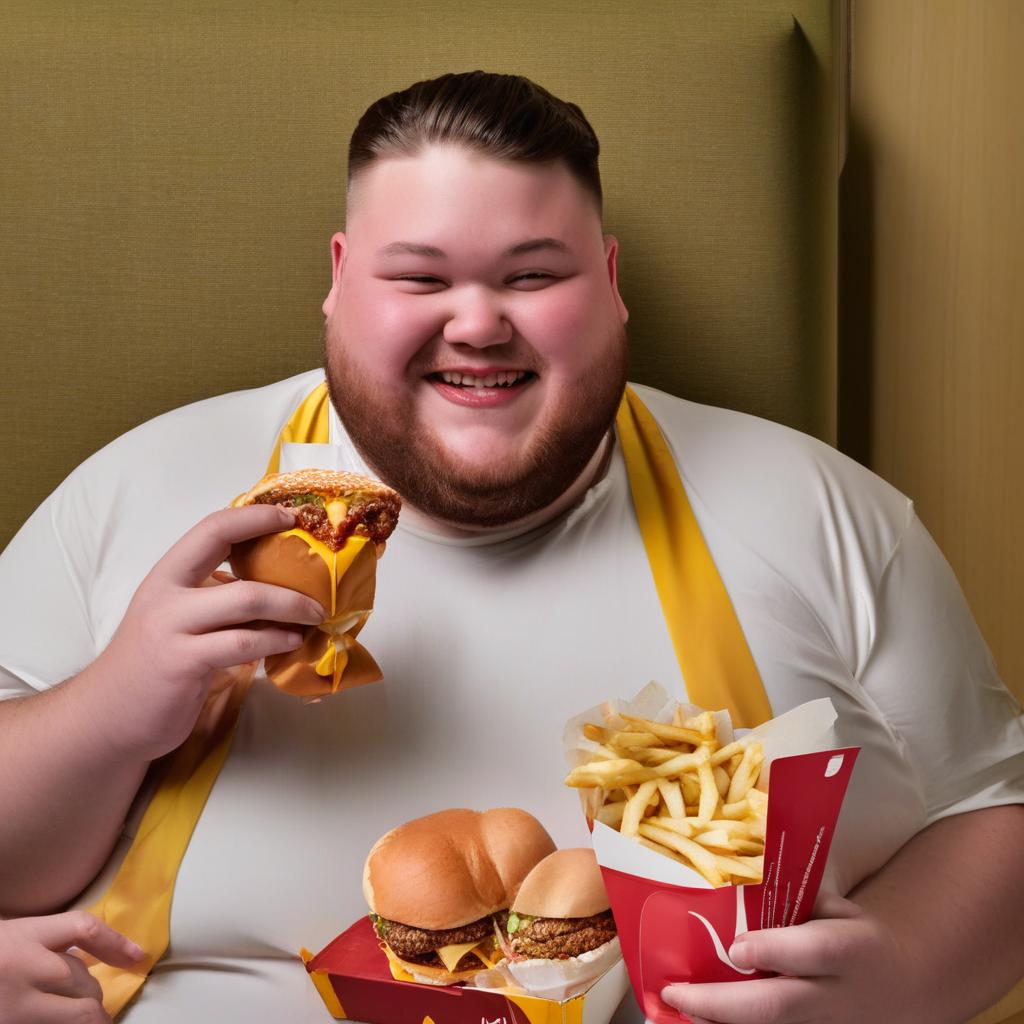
<point>475,342</point>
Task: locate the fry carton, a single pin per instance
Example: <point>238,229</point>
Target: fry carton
<point>673,924</point>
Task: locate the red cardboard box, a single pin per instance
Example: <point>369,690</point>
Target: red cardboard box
<point>675,927</point>
<point>355,981</point>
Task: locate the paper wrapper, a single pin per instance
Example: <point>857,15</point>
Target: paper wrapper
<point>330,658</point>
<point>355,982</point>
<point>673,926</point>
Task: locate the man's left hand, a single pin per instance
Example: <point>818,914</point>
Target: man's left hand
<point>845,966</point>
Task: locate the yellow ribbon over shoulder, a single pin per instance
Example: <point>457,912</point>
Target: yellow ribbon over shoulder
<point>712,651</point>
<point>138,901</point>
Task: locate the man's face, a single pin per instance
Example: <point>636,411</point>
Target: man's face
<point>475,342</point>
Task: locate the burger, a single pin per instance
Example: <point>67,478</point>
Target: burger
<point>342,522</point>
<point>434,884</point>
<point>559,935</point>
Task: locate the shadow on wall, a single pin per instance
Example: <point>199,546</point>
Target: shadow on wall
<point>856,298</point>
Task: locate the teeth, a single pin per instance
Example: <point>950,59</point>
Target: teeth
<point>504,379</point>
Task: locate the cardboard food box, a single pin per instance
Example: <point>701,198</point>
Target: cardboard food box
<point>672,924</point>
<point>355,982</point>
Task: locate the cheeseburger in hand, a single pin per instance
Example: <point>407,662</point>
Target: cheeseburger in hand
<point>433,885</point>
<point>342,521</point>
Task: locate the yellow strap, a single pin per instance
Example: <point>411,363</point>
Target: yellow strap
<point>712,651</point>
<point>309,424</point>
<point>138,901</point>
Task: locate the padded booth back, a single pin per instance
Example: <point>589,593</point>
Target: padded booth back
<point>172,173</point>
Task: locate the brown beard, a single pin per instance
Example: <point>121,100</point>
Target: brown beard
<point>412,461</point>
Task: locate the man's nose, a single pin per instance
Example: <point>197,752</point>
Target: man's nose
<point>476,318</point>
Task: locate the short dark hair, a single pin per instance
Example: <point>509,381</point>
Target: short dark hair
<point>507,117</point>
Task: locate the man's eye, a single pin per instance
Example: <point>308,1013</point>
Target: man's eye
<point>533,279</point>
<point>422,281</point>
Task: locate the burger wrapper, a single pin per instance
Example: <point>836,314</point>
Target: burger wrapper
<point>330,658</point>
<point>675,927</point>
<point>356,983</point>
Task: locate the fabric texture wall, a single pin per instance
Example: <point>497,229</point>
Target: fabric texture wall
<point>172,173</point>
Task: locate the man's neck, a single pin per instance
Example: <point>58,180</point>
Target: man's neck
<point>594,470</point>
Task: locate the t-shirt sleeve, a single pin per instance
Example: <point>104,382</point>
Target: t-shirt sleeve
<point>934,680</point>
<point>45,630</point>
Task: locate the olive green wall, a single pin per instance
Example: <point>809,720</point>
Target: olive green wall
<point>171,174</point>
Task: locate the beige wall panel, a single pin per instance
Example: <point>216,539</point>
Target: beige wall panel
<point>172,173</point>
<point>933,298</point>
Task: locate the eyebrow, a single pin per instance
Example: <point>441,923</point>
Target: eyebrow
<point>519,249</point>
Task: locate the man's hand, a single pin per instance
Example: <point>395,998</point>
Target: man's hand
<point>73,757</point>
<point>843,967</point>
<point>932,937</point>
<point>42,983</point>
<point>148,687</point>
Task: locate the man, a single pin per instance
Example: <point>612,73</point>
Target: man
<point>475,355</point>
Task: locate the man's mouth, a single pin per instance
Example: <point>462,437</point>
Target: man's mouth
<point>503,379</point>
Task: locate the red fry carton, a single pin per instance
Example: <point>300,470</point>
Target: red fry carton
<point>672,924</point>
<point>356,983</point>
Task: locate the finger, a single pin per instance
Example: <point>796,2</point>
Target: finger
<point>767,1001</point>
<point>60,932</point>
<point>53,1009</point>
<point>68,976</point>
<point>814,949</point>
<point>228,647</point>
<point>208,543</point>
<point>232,604</point>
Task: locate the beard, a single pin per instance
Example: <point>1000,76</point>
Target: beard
<point>408,456</point>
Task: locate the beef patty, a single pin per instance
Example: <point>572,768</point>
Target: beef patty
<point>553,938</point>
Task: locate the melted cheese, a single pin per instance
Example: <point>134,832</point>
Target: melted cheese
<point>451,955</point>
<point>336,626</point>
<point>337,512</point>
<point>330,559</point>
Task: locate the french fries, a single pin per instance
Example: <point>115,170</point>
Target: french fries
<point>675,788</point>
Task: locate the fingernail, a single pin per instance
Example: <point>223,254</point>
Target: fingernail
<point>740,953</point>
<point>294,640</point>
<point>134,950</point>
<point>673,994</point>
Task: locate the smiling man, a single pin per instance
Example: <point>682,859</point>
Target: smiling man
<point>474,359</point>
<point>488,350</point>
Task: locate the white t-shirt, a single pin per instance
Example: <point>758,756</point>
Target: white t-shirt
<point>488,646</point>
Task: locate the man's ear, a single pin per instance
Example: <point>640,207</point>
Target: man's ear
<point>339,248</point>
<point>611,255</point>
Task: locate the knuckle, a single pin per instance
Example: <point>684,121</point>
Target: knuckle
<point>767,1005</point>
<point>249,597</point>
<point>61,972</point>
<point>832,952</point>
<point>245,643</point>
<point>89,1011</point>
<point>87,926</point>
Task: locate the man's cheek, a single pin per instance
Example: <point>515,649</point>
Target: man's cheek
<point>389,320</point>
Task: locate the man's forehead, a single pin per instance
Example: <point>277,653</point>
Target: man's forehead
<point>453,173</point>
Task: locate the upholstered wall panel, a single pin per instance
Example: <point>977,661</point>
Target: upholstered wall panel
<point>172,173</point>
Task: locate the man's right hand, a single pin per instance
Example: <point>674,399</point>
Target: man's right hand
<point>148,687</point>
<point>41,982</point>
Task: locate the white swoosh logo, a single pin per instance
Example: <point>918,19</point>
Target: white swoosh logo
<point>741,926</point>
